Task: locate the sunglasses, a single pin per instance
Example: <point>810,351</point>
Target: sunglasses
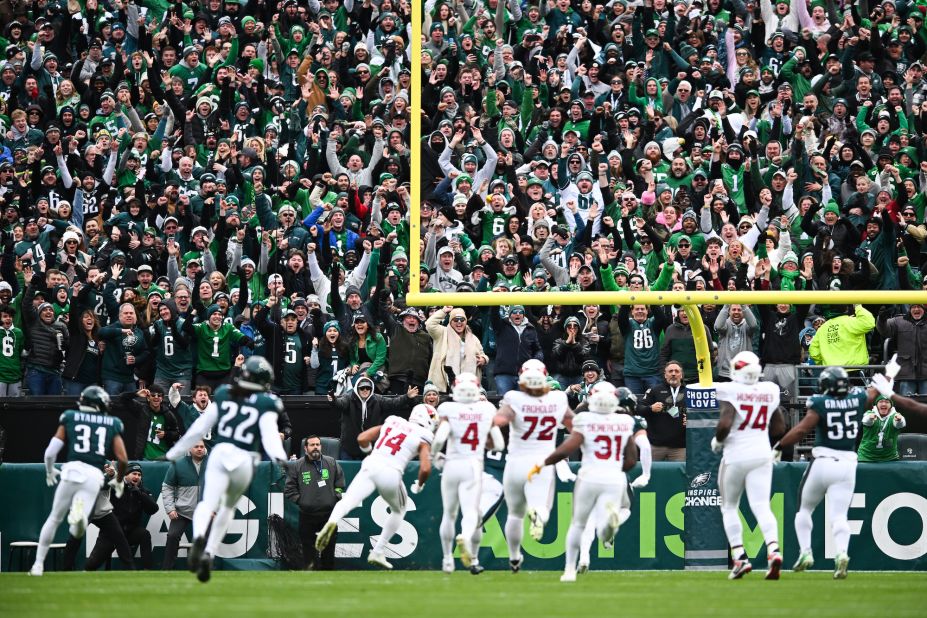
<point>518,312</point>
<point>458,320</point>
<point>684,244</point>
<point>363,388</point>
<point>156,395</point>
<point>646,241</point>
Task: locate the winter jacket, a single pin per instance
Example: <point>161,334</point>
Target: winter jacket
<point>910,337</point>
<point>512,348</point>
<point>358,415</point>
<point>302,484</point>
<point>733,338</point>
<point>139,408</point>
<point>446,351</point>
<point>842,340</point>
<point>663,429</point>
<point>678,345</point>
<point>182,486</point>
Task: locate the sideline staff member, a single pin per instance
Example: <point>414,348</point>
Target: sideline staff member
<point>315,483</point>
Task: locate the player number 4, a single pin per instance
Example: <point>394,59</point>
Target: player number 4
<point>471,436</point>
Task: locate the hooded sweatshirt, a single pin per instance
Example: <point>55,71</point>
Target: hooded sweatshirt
<point>359,414</point>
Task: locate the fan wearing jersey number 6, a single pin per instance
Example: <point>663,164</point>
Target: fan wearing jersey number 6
<point>464,424</point>
<point>533,414</point>
<point>392,446</point>
<point>749,414</point>
<point>608,452</point>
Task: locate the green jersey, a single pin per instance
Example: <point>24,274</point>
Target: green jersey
<point>293,375</point>
<point>174,358</point>
<point>214,347</point>
<point>838,419</point>
<point>154,447</point>
<point>493,224</point>
<point>11,353</point>
<point>880,437</point>
<point>238,420</point>
<point>90,436</point>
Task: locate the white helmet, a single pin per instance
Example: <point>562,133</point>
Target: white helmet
<point>746,368</point>
<point>466,388</point>
<point>532,378</point>
<point>534,365</point>
<point>425,416</point>
<point>602,398</point>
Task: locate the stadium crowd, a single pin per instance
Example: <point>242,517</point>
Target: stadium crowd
<point>186,184</point>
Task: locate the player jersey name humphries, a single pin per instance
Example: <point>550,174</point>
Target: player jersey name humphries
<point>100,419</point>
<point>755,397</point>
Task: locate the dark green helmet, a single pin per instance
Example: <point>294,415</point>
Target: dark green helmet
<point>834,381</point>
<point>626,399</point>
<point>94,397</point>
<point>256,375</point>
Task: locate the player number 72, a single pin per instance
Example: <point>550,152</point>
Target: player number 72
<point>546,426</point>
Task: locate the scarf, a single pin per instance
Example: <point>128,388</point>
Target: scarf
<point>787,279</point>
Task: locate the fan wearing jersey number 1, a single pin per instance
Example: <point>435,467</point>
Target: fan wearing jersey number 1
<point>246,414</point>
<point>749,414</point>
<point>533,413</point>
<point>463,424</point>
<point>605,437</point>
<point>392,446</point>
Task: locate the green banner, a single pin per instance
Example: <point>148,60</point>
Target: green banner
<point>888,518</point>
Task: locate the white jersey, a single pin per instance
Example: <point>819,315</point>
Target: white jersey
<point>754,405</point>
<point>470,424</point>
<point>533,430</point>
<point>605,437</point>
<point>398,442</point>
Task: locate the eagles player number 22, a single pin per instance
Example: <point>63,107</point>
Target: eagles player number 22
<point>231,425</point>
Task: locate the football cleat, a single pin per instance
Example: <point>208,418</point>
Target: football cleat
<point>614,522</point>
<point>582,568</point>
<point>535,524</point>
<point>515,565</point>
<point>840,566</point>
<point>465,558</point>
<point>447,564</point>
<point>805,561</point>
<point>196,553</point>
<point>775,565</point>
<point>741,568</point>
<point>76,521</point>
<point>569,575</point>
<point>324,537</point>
<point>204,568</point>
<point>377,558</point>
<point>476,569</point>
<point>37,570</point>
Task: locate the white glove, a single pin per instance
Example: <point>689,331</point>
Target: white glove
<point>438,461</point>
<point>885,386</point>
<point>716,447</point>
<point>51,478</point>
<point>415,487</point>
<point>776,453</point>
<point>119,487</point>
<point>562,468</point>
<point>892,367</point>
<point>640,481</point>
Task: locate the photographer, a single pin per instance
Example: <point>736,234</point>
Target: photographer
<point>130,511</point>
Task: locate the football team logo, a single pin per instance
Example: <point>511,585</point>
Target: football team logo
<point>700,480</point>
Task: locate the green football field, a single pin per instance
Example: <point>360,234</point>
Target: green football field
<point>492,594</point>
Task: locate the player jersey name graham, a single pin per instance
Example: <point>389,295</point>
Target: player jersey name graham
<point>841,404</point>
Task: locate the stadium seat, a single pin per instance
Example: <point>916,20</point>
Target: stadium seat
<point>912,446</point>
<point>331,447</point>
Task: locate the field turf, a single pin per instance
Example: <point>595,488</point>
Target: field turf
<point>493,594</point>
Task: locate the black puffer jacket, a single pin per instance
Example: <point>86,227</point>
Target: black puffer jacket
<point>45,343</point>
<point>358,415</point>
